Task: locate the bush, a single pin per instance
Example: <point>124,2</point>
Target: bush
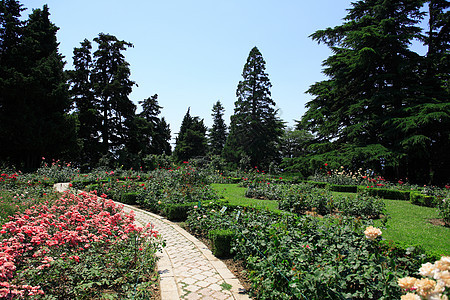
<point>444,210</point>
<point>343,188</point>
<point>423,200</point>
<point>129,198</point>
<point>221,240</point>
<point>177,211</point>
<point>386,193</point>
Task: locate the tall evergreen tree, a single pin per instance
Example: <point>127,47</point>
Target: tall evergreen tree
<point>112,86</point>
<point>35,103</point>
<point>150,134</point>
<point>218,132</point>
<point>82,93</point>
<point>255,128</point>
<point>359,114</point>
<point>191,140</point>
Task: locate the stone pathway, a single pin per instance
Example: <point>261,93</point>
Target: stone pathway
<point>187,268</point>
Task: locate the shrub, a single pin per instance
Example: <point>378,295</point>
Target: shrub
<point>221,240</point>
<point>177,211</point>
<point>386,193</point>
<point>129,198</point>
<point>343,188</point>
<point>423,200</point>
<point>444,210</point>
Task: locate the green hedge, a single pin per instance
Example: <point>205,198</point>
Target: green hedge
<point>178,212</point>
<point>423,200</point>
<point>317,184</point>
<point>343,188</point>
<point>221,240</point>
<point>129,198</point>
<point>386,193</point>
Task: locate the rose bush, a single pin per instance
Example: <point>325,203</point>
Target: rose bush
<point>80,246</point>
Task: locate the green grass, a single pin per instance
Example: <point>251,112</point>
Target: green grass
<point>410,224</point>
<point>236,195</point>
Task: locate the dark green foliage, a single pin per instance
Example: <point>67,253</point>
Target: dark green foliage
<point>423,200</point>
<point>221,240</point>
<point>384,106</point>
<point>343,188</point>
<point>255,129</point>
<point>385,193</point>
<point>178,211</point>
<point>218,132</point>
<point>129,198</point>
<point>191,141</point>
<point>34,100</point>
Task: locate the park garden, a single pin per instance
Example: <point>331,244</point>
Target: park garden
<point>352,202</point>
<point>334,236</point>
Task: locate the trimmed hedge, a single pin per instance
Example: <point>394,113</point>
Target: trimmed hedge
<point>343,188</point>
<point>423,200</point>
<point>317,184</point>
<point>386,193</point>
<point>129,198</point>
<point>221,240</point>
<point>178,211</point>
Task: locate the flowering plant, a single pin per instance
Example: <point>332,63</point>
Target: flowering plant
<point>62,249</point>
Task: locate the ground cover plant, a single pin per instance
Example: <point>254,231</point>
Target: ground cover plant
<point>60,249</point>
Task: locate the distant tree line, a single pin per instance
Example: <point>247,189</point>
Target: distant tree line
<point>383,107</point>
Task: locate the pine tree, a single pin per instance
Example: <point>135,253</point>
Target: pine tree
<point>112,86</point>
<point>150,134</point>
<point>255,129</point>
<point>82,93</point>
<point>191,141</point>
<point>218,132</point>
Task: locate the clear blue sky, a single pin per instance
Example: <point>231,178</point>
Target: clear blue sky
<point>191,53</point>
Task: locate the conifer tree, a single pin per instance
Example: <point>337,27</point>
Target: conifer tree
<point>366,113</point>
<point>255,128</point>
<point>36,100</point>
<point>218,132</point>
<point>191,140</point>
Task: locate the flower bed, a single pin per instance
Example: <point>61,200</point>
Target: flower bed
<point>80,246</point>
<point>302,257</point>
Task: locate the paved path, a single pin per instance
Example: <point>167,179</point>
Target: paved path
<point>187,268</point>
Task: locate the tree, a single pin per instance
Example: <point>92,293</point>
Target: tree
<point>112,86</point>
<point>362,115</point>
<point>150,134</point>
<point>255,129</point>
<point>294,142</point>
<point>35,102</point>
<point>218,132</point>
<point>191,141</point>
<point>82,92</point>
<point>100,87</point>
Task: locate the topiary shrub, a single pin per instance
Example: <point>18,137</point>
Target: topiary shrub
<point>221,240</point>
<point>129,198</point>
<point>178,212</point>
<point>423,200</point>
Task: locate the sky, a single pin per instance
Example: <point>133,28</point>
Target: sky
<point>192,53</point>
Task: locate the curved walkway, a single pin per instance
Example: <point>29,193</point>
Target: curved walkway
<point>187,268</point>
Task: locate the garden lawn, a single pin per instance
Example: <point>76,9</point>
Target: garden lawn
<point>410,224</point>
<point>235,195</point>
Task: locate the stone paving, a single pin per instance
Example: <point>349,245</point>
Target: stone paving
<point>187,268</point>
